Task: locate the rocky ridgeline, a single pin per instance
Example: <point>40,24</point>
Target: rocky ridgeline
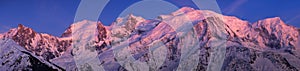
<point>266,45</point>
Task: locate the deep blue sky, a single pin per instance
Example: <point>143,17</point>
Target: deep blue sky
<point>54,16</point>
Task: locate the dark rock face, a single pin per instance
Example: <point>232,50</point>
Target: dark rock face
<point>37,65</point>
<point>68,32</point>
<point>24,35</point>
<point>44,45</point>
<point>102,34</point>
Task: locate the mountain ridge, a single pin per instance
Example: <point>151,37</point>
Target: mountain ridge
<point>181,10</point>
<point>269,40</point>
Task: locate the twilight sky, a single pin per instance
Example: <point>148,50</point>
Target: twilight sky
<point>54,16</point>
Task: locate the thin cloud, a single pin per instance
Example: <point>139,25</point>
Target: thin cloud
<point>4,28</point>
<point>231,8</point>
<point>293,19</point>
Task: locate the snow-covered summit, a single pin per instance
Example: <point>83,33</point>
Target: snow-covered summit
<point>248,45</point>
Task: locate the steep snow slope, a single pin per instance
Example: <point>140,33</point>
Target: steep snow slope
<point>14,57</point>
<point>247,44</point>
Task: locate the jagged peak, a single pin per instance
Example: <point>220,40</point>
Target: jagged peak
<point>68,31</point>
<point>183,10</point>
<point>22,27</point>
<point>132,16</point>
<point>275,21</point>
<point>130,19</point>
<point>83,22</point>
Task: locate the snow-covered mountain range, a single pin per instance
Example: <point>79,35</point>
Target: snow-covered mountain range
<point>163,43</point>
